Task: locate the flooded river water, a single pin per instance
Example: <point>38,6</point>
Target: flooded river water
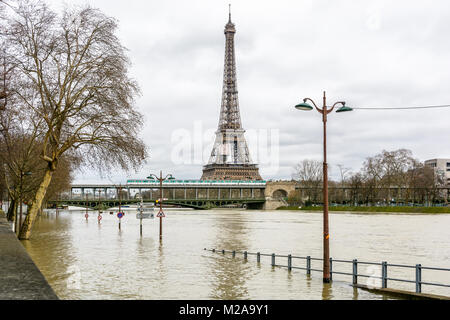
<point>83,259</point>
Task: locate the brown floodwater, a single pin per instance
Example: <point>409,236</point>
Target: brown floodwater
<point>87,260</point>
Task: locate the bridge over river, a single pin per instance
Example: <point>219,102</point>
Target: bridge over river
<point>197,194</point>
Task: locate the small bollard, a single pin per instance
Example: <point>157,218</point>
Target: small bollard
<point>384,274</point>
<point>308,265</point>
<point>289,262</point>
<point>331,269</point>
<point>245,255</point>
<point>273,259</point>
<point>234,253</point>
<point>355,271</point>
<point>223,251</point>
<point>418,278</point>
<point>258,257</point>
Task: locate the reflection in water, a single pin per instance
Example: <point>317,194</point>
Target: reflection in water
<point>230,273</point>
<point>355,293</point>
<point>161,269</point>
<point>86,260</point>
<point>327,291</point>
<point>58,269</point>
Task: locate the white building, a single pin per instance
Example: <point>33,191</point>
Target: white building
<point>441,166</point>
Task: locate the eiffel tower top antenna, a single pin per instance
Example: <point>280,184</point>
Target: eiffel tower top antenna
<point>229,12</point>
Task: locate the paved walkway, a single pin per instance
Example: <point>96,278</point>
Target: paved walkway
<point>20,279</point>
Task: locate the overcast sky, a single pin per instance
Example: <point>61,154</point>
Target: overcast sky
<point>368,53</point>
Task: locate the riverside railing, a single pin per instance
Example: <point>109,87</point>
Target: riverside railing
<point>354,274</point>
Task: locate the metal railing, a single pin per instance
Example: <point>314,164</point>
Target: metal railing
<point>354,274</point>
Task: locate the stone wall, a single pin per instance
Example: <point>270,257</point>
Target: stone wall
<point>273,202</point>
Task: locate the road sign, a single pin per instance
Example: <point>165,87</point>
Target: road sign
<point>145,216</point>
<point>99,217</point>
<point>86,216</point>
<point>120,215</point>
<point>146,209</point>
<point>160,214</point>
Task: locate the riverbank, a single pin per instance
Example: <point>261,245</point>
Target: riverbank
<point>426,210</point>
<point>20,278</point>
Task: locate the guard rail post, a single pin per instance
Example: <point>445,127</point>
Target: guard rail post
<point>355,271</point>
<point>418,278</point>
<point>308,265</point>
<point>384,274</point>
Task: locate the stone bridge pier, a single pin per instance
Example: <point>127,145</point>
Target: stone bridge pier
<point>275,193</point>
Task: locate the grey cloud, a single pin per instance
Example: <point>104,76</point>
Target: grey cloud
<point>368,53</point>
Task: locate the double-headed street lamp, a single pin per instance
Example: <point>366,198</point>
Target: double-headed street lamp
<point>326,236</point>
<point>160,179</point>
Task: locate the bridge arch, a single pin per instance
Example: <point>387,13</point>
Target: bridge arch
<point>279,189</point>
<point>279,194</point>
<point>276,192</point>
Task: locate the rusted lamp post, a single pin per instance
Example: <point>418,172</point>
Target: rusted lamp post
<point>326,236</point>
<point>160,179</point>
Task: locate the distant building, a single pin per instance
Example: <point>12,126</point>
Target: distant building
<point>441,166</point>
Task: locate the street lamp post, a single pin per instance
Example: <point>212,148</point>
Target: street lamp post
<point>160,179</point>
<point>326,235</point>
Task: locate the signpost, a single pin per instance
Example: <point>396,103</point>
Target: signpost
<point>145,215</point>
<point>141,213</point>
<point>120,216</point>
<point>87,204</point>
<point>160,200</point>
<point>161,214</point>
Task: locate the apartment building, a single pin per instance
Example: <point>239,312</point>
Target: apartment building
<point>441,166</point>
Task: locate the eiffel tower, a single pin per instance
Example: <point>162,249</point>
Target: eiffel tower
<point>230,157</point>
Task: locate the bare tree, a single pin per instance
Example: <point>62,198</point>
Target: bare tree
<point>309,173</point>
<point>344,172</point>
<point>387,170</point>
<point>74,76</point>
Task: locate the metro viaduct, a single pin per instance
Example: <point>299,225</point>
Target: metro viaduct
<point>185,193</point>
<point>200,204</point>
